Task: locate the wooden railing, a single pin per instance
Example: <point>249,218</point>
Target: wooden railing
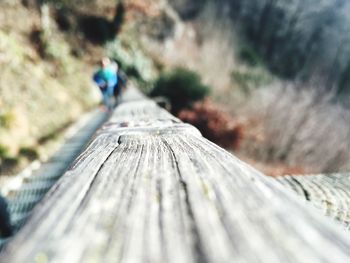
<point>330,193</point>
<point>151,189</point>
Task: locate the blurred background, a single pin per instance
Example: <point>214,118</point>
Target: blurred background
<point>268,80</point>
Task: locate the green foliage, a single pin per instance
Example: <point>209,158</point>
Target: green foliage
<point>3,151</point>
<point>6,119</point>
<point>52,48</point>
<point>29,153</point>
<point>56,50</point>
<point>250,80</point>
<point>249,56</point>
<point>13,48</point>
<point>181,86</point>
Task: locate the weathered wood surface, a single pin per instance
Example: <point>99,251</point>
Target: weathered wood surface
<point>151,189</point>
<point>329,193</point>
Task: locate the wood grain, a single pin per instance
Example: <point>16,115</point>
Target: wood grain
<point>151,189</point>
<point>330,193</point>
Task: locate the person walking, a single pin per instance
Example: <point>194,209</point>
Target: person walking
<point>106,79</point>
<point>121,85</point>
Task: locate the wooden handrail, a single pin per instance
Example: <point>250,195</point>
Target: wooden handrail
<point>151,189</point>
<point>330,193</point>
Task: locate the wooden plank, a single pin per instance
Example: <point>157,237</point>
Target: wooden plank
<point>154,190</point>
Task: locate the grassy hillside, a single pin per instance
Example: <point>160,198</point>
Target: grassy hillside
<point>47,60</point>
<point>38,95</point>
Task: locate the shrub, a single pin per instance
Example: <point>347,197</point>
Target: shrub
<point>181,86</point>
<point>29,153</point>
<point>214,124</point>
<point>249,56</point>
<point>250,80</point>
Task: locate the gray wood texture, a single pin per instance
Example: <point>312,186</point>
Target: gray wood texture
<point>151,189</point>
<point>330,193</point>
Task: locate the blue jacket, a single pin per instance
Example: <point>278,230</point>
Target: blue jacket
<point>105,78</point>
